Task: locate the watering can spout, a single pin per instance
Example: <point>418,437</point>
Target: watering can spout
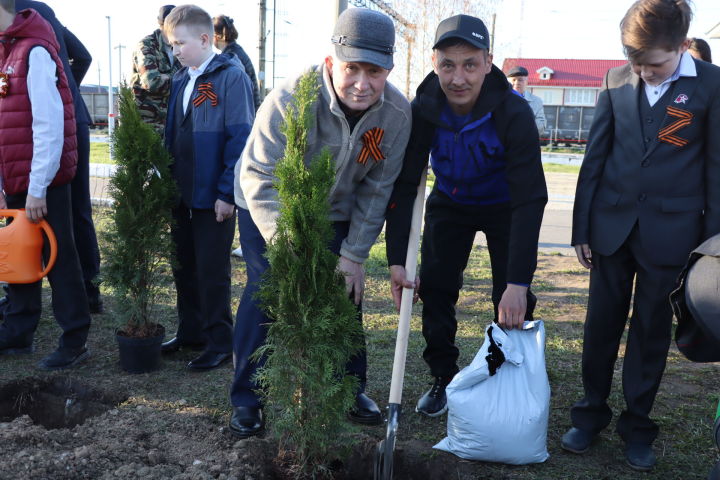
<point>21,244</point>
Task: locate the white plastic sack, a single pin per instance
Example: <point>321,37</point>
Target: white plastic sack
<point>501,417</point>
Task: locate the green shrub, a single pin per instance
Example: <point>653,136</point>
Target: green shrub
<point>138,245</point>
<point>315,329</point>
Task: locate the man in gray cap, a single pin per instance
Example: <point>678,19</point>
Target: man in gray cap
<point>518,78</point>
<point>365,123</point>
<point>153,68</point>
<point>486,159</point>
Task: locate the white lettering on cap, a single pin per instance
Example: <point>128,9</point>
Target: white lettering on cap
<point>477,35</point>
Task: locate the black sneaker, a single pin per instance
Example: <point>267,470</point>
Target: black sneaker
<point>434,402</point>
<point>64,358</point>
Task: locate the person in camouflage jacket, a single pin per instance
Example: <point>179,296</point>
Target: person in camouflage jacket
<point>153,69</point>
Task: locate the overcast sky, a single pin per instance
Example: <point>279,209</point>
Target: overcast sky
<point>527,28</point>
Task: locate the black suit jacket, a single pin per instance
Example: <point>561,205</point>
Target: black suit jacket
<point>671,189</point>
<point>70,49</point>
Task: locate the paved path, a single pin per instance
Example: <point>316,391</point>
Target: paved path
<point>556,226</point>
<point>557,221</point>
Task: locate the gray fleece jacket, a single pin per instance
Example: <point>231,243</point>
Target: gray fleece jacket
<point>361,191</point>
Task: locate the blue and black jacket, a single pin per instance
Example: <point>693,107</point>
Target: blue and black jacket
<point>493,159</point>
<point>204,164</point>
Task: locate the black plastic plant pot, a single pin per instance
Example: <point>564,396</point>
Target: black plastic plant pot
<point>140,355</point>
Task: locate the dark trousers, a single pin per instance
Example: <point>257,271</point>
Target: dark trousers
<point>251,323</point>
<point>202,277</point>
<point>448,237</point>
<point>69,301</point>
<point>611,284</point>
<point>83,226</point>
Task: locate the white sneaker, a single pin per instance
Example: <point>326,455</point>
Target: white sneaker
<point>237,252</point>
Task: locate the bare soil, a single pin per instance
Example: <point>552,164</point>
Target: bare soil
<point>98,422</point>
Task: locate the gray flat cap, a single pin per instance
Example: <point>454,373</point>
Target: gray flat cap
<point>364,35</point>
<point>518,72</point>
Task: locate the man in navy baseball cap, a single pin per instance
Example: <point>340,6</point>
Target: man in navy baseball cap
<point>485,153</point>
<point>463,27</point>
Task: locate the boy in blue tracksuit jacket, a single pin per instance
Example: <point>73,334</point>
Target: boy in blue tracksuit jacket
<point>210,113</point>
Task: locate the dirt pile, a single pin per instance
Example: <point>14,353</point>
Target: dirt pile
<point>128,443</point>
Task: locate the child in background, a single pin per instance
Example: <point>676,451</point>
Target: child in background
<point>37,163</point>
<point>210,113</point>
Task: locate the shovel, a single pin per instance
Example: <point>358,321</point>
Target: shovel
<point>385,448</point>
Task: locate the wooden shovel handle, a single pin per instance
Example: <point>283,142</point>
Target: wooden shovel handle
<point>403,331</point>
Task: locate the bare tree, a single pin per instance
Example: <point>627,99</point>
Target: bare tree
<point>417,35</point>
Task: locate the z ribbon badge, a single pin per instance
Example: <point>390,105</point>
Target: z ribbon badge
<point>371,145</point>
<point>4,84</point>
<point>667,134</point>
<point>205,92</point>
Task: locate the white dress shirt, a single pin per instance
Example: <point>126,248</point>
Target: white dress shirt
<point>47,120</point>
<point>194,73</point>
<point>686,68</point>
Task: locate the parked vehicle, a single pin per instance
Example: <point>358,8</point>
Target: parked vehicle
<point>96,100</point>
<point>567,125</point>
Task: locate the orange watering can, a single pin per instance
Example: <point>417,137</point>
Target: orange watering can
<point>21,245</point>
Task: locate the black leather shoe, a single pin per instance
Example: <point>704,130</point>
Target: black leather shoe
<point>209,360</point>
<point>576,440</point>
<point>434,402</point>
<point>4,302</point>
<point>246,421</point>
<point>9,347</point>
<point>365,411</point>
<point>95,305</point>
<point>64,358</point>
<point>640,456</point>
<point>173,345</point>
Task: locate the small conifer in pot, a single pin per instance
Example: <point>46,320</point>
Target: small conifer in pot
<point>138,246</point>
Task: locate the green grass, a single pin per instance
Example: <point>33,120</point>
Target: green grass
<point>684,408</point>
<point>100,152</point>
<point>557,167</point>
<point>580,149</point>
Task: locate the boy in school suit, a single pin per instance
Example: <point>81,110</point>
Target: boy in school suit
<point>647,195</point>
<point>210,113</point>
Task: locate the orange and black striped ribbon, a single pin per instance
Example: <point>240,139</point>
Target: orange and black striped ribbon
<point>371,146</point>
<point>4,84</point>
<point>667,134</point>
<point>205,92</point>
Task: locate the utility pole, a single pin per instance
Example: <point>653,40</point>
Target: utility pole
<point>99,88</point>
<point>340,7</point>
<point>492,35</point>
<point>274,30</point>
<point>261,48</point>
<point>111,114</point>
<point>119,49</point>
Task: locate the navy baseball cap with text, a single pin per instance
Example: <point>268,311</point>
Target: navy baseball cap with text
<point>463,27</point>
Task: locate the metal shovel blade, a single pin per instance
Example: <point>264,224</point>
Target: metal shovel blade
<point>386,448</point>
